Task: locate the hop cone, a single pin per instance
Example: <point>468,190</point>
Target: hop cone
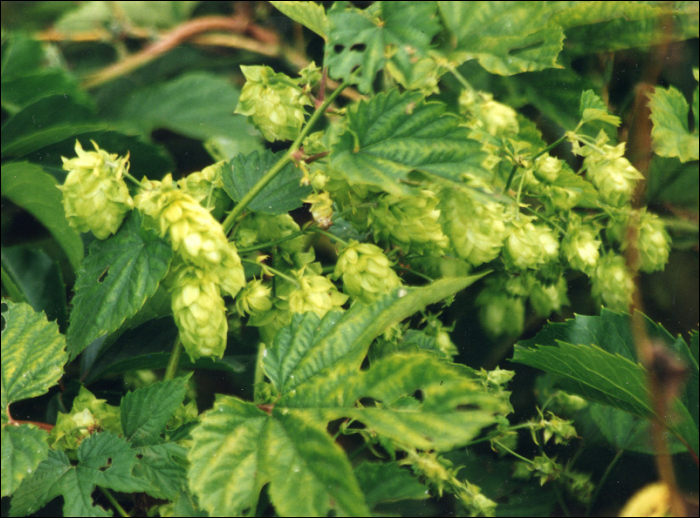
<point>612,283</point>
<point>315,293</point>
<point>366,272</point>
<point>653,242</point>
<point>95,196</point>
<point>612,174</point>
<point>580,246</point>
<point>274,102</point>
<point>530,245</point>
<point>199,312</point>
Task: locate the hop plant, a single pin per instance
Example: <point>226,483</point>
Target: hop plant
<point>199,311</point>
<point>653,242</point>
<point>530,245</point>
<point>274,102</point>
<point>95,197</point>
<point>612,174</point>
<point>612,283</point>
<point>315,293</point>
<point>254,298</point>
<point>476,227</point>
<point>366,272</point>
<point>412,223</point>
<point>580,245</point>
<point>195,235</point>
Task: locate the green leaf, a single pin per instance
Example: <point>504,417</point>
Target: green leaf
<point>33,355</point>
<point>386,32</point>
<point>670,136</point>
<point>310,14</point>
<point>595,358</point>
<point>673,182</point>
<point>197,104</point>
<point>104,460</point>
<point>388,482</point>
<point>146,411</point>
<point>39,279</point>
<point>21,55</point>
<point>507,38</point>
<point>134,261</point>
<point>47,121</point>
<point>23,448</point>
<point>162,466</point>
<point>97,16</point>
<point>394,134</point>
<point>282,194</point>
<point>28,186</point>
<point>593,109</point>
<point>572,182</point>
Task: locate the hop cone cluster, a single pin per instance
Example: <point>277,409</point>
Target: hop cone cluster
<point>95,196</point>
<point>366,272</point>
<point>274,102</point>
<point>209,264</point>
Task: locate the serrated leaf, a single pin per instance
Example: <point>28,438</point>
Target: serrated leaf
<point>395,32</point>
<point>134,261</point>
<point>394,134</point>
<point>146,411</point>
<point>507,38</point>
<point>194,104</point>
<point>162,466</point>
<point>593,109</point>
<point>388,482</point>
<point>282,194</point>
<point>670,136</point>
<point>33,354</point>
<point>104,460</point>
<point>572,182</point>
<point>239,448</point>
<point>23,448</point>
<point>310,14</point>
<point>595,358</point>
<point>29,187</point>
<point>47,121</point>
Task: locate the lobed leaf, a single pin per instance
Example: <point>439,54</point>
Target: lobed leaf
<point>388,482</point>
<point>394,134</point>
<point>282,194</point>
<point>33,354</point>
<point>23,448</point>
<point>593,109</point>
<point>162,468</point>
<point>310,14</point>
<point>134,261</point>
<point>670,136</point>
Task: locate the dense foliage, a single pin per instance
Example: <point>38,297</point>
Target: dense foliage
<point>346,252</point>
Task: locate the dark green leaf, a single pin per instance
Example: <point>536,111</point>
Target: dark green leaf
<point>670,135</point>
<point>671,181</point>
<point>388,482</point>
<point>115,280</point>
<point>282,194</point>
<point>162,466</point>
<point>394,134</point>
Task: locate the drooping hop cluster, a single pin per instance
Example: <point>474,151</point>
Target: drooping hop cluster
<point>580,245</point>
<point>314,293</point>
<point>612,283</point>
<point>209,263</point>
<point>95,196</point>
<point>274,102</point>
<point>612,174</point>
<point>412,223</point>
<point>476,227</point>
<point>366,272</point>
<point>653,242</point>
<point>530,245</point>
<point>199,311</point>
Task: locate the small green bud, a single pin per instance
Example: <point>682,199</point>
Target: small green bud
<point>366,272</point>
<point>580,245</point>
<point>612,283</point>
<point>274,102</point>
<point>95,197</point>
<point>204,186</point>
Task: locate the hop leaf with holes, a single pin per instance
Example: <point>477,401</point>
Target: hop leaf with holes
<point>612,283</point>
<point>274,102</point>
<point>476,227</point>
<point>653,243</point>
<point>95,196</point>
<point>315,293</point>
<point>199,311</point>
<point>612,174</point>
<point>580,245</point>
<point>412,223</point>
<point>195,235</point>
<point>366,272</point>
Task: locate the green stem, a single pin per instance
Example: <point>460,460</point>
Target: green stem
<point>129,177</point>
<point>550,147</point>
<point>107,493</point>
<point>271,269</point>
<point>174,361</point>
<point>417,274</point>
<point>460,77</point>
<point>332,236</point>
<point>282,162</point>
<point>259,372</point>
<point>272,243</point>
<point>513,453</point>
<point>510,178</point>
<point>602,480</point>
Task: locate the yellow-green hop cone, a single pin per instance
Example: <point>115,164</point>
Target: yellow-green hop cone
<point>612,174</point>
<point>205,186</point>
<point>199,312</point>
<point>530,245</point>
<point>612,283</point>
<point>315,293</point>
<point>580,245</point>
<point>274,102</point>
<point>254,298</point>
<point>653,242</point>
<point>366,272</point>
<point>95,197</point>
<point>546,299</point>
<point>321,208</point>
